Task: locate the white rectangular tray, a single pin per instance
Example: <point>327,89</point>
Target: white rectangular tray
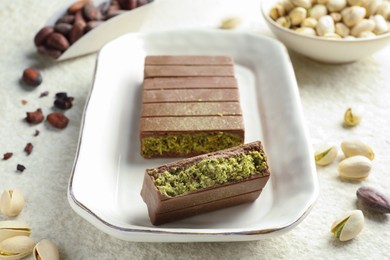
<point>106,180</point>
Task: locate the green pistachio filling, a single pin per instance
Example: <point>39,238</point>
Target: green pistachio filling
<point>209,172</point>
<point>188,143</point>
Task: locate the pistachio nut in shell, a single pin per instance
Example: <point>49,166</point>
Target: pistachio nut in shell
<point>348,226</point>
<point>355,168</point>
<point>11,202</point>
<point>16,247</point>
<point>356,147</point>
<point>11,228</point>
<point>352,117</point>
<point>372,200</point>
<point>46,250</point>
<point>326,155</point>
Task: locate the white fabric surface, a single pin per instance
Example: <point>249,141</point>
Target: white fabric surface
<point>326,91</point>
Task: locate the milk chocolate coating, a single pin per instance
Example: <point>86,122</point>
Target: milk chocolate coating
<point>163,209</point>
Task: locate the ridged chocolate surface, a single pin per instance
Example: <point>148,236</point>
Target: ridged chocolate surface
<point>164,209</point>
<point>190,94</point>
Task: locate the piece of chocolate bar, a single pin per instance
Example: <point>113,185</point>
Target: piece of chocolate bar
<point>190,106</point>
<point>205,183</point>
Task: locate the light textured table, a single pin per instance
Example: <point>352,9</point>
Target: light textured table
<point>326,91</point>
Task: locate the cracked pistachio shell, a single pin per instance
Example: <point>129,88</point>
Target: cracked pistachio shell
<point>11,228</point>
<point>355,168</point>
<point>302,3</point>
<point>355,147</point>
<point>336,5</point>
<point>46,250</point>
<point>318,11</point>
<point>11,202</point>
<point>284,21</point>
<point>365,25</point>
<point>353,15</point>
<point>16,247</point>
<point>348,226</point>
<point>325,25</point>
<point>326,155</point>
<point>277,11</point>
<point>352,117</point>
<point>297,15</point>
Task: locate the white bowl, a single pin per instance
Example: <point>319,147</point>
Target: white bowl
<point>324,49</point>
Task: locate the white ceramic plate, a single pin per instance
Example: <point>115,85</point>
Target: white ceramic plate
<point>106,180</point>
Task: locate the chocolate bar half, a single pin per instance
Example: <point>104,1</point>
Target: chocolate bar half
<point>205,183</point>
<point>190,106</point>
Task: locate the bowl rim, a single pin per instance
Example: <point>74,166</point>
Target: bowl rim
<point>317,38</point>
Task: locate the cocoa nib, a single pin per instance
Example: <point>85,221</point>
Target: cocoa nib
<point>28,149</point>
<point>32,77</point>
<point>6,156</point>
<point>36,133</point>
<point>35,117</point>
<point>63,101</point>
<point>58,120</point>
<point>20,168</point>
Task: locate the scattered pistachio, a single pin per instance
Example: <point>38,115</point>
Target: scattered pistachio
<point>326,155</point>
<point>355,168</point>
<point>11,202</point>
<point>230,23</point>
<point>11,228</point>
<point>46,250</point>
<point>348,226</point>
<point>351,118</point>
<point>16,247</point>
<point>355,147</point>
<point>372,200</point>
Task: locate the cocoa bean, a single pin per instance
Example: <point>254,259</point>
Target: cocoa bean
<point>79,18</point>
<point>76,32</point>
<point>32,77</point>
<point>49,51</point>
<point>58,120</point>
<point>66,19</point>
<point>76,6</point>
<point>91,12</point>
<point>42,35</point>
<point>63,28</point>
<point>57,41</point>
<point>92,25</point>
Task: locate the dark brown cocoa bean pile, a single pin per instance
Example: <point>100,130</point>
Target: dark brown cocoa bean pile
<point>80,18</point>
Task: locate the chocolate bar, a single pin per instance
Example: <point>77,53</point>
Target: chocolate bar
<point>205,183</point>
<point>190,106</point>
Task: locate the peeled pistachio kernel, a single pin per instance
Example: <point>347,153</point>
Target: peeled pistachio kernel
<point>355,147</point>
<point>277,11</point>
<point>297,15</point>
<point>352,118</point>
<point>337,17</point>
<point>331,36</point>
<point>46,250</point>
<point>309,23</point>
<point>11,202</point>
<point>325,25</point>
<point>372,200</point>
<point>306,31</point>
<point>336,5</point>
<point>16,247</point>
<point>372,6</point>
<point>364,25</point>
<point>284,21</point>
<point>230,23</point>
<point>348,226</point>
<point>326,155</point>
<point>384,9</point>
<point>355,168</point>
<point>302,3</point>
<point>381,25</point>
<point>287,5</point>
<point>318,11</point>
<point>342,30</point>
<point>11,228</point>
<point>353,15</point>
